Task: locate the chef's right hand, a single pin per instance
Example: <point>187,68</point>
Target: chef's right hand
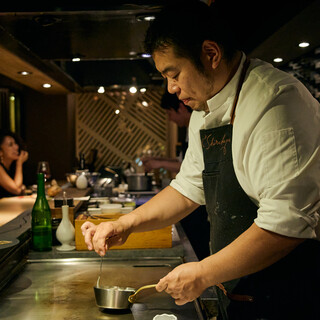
<point>103,236</point>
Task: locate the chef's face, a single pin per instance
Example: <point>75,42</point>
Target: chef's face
<point>190,85</point>
<point>9,149</point>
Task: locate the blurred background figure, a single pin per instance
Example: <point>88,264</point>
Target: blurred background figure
<point>12,157</point>
<point>196,224</point>
<point>179,114</point>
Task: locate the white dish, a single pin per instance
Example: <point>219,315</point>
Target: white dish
<point>111,208</point>
<point>94,210</point>
<point>165,316</point>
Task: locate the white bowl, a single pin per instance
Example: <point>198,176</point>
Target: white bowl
<point>165,316</point>
<point>110,208</point>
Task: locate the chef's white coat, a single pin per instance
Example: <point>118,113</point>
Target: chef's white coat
<point>275,148</point>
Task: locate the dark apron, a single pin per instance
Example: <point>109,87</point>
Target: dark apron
<point>290,288</point>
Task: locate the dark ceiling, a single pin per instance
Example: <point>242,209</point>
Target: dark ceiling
<point>108,36</point>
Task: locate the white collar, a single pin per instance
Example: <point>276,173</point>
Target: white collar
<point>228,91</point>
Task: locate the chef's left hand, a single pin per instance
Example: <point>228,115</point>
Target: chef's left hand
<point>184,283</point>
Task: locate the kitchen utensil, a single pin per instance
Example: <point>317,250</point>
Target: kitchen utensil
<point>139,182</point>
<point>93,178</point>
<point>72,178</point>
<point>111,297</point>
<point>165,316</point>
<point>132,298</point>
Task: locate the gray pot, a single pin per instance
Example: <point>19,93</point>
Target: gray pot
<point>139,182</point>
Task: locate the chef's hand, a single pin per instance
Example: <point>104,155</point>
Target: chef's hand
<point>103,236</point>
<point>184,283</point>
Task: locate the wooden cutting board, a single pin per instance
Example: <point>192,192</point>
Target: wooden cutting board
<point>161,238</point>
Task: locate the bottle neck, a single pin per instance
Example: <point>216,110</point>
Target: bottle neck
<point>41,190</point>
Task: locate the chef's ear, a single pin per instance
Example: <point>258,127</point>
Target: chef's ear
<point>213,52</point>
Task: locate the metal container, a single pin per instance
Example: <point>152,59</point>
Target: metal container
<point>139,182</point>
<point>112,297</point>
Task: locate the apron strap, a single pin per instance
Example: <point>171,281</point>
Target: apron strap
<point>235,297</point>
<point>241,79</point>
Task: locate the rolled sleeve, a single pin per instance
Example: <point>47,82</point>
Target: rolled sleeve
<point>189,179</point>
<point>281,217</point>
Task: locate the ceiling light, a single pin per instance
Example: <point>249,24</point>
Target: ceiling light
<point>145,55</point>
<point>145,104</point>
<point>117,111</point>
<point>132,53</point>
<point>149,18</point>
<point>101,90</point>
<point>277,59</point>
<point>145,17</point>
<point>47,85</point>
<point>143,90</point>
<point>304,44</point>
<point>75,59</point>
<point>25,73</point>
<point>133,89</point>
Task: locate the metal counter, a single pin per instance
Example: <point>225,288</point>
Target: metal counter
<point>63,289</point>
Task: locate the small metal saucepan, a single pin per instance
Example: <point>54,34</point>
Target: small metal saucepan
<point>116,297</point>
<point>139,181</point>
<point>113,297</point>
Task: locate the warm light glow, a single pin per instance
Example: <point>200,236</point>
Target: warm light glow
<point>24,73</point>
<point>143,90</point>
<point>75,59</point>
<point>149,18</point>
<point>145,104</point>
<point>133,89</point>
<point>101,90</point>
<point>117,111</point>
<point>46,85</point>
<point>304,44</point>
<point>277,59</point>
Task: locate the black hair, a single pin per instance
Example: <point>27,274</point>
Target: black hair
<point>184,26</point>
<point>6,133</point>
<point>171,101</point>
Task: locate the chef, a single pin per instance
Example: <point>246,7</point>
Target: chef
<point>253,159</point>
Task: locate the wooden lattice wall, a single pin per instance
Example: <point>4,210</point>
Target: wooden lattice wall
<point>124,136</point>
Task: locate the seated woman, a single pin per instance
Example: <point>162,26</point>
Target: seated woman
<point>12,158</point>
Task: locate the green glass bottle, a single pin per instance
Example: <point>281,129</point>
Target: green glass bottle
<point>41,220</point>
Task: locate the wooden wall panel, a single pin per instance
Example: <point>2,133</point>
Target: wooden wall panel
<point>124,136</point>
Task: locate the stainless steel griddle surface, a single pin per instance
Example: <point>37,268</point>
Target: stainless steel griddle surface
<point>63,289</point>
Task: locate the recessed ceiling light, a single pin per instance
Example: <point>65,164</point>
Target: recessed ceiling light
<point>101,89</point>
<point>75,59</point>
<point>133,89</point>
<point>25,73</point>
<point>145,17</point>
<point>143,90</point>
<point>149,18</point>
<point>277,59</point>
<point>145,104</point>
<point>117,111</point>
<point>304,44</point>
<point>145,55</point>
<point>47,85</point>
